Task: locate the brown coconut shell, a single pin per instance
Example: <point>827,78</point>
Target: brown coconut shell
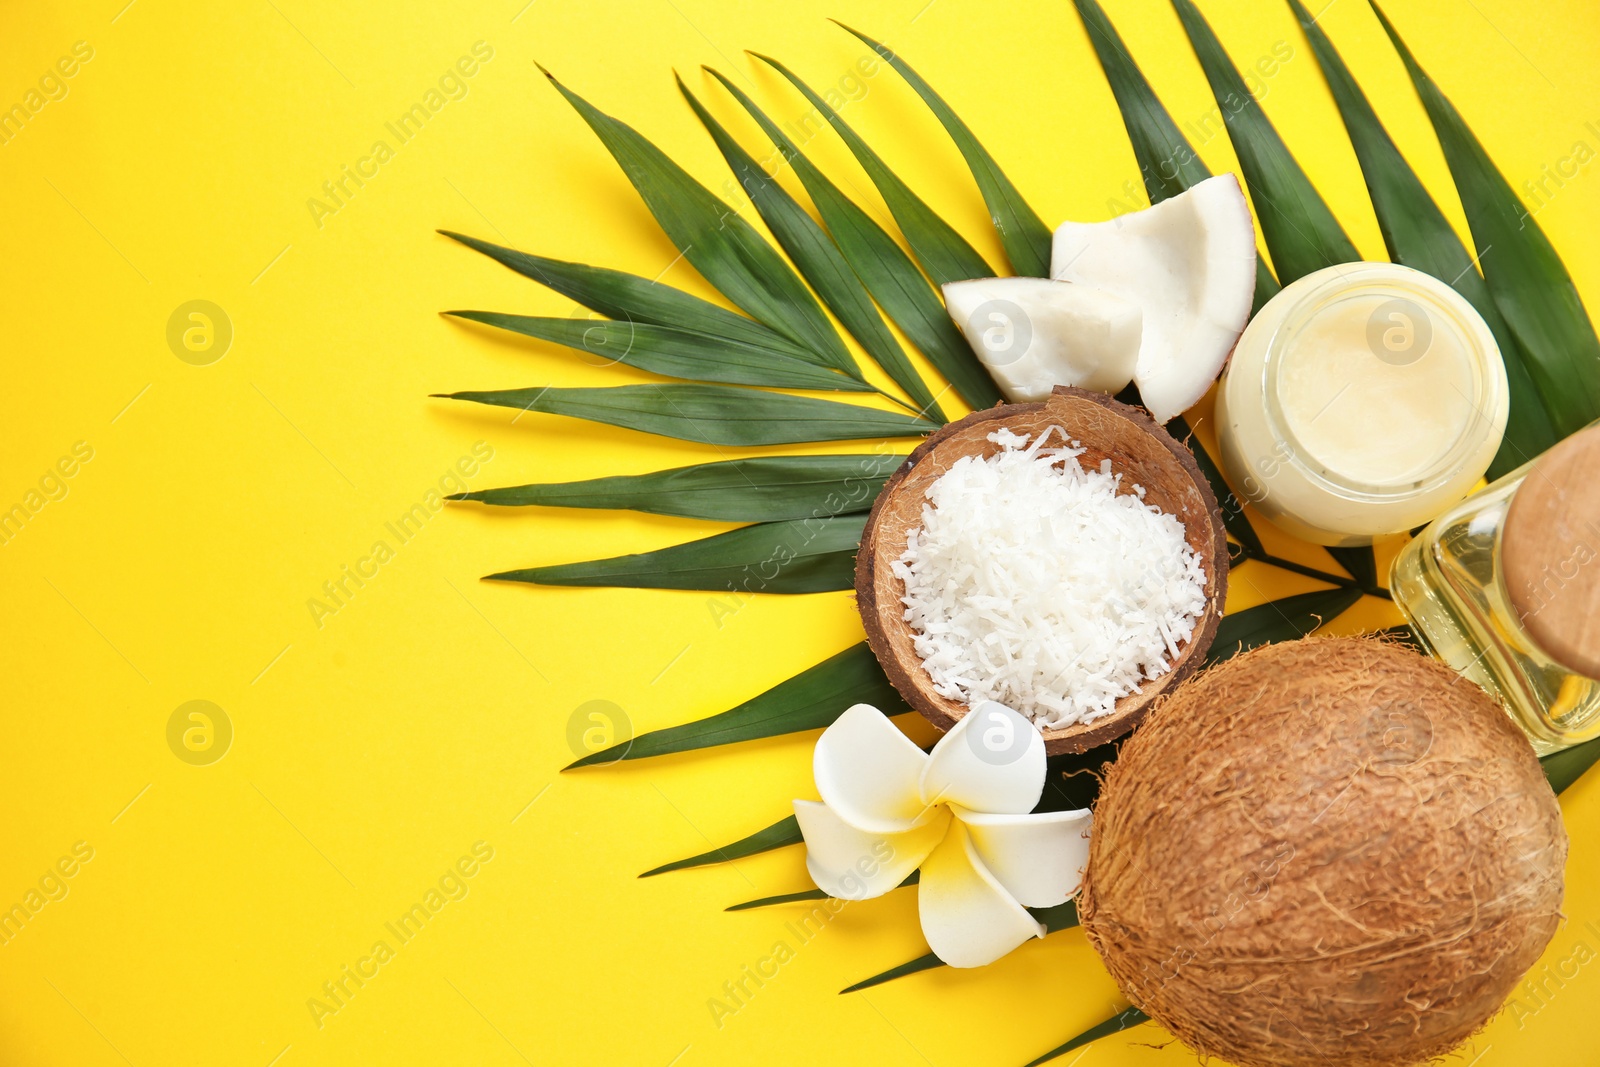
<point>1331,850</point>
<point>1138,448</point>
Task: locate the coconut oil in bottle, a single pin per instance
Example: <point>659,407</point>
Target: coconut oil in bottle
<point>1503,587</point>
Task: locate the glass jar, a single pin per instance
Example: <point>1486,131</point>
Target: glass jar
<point>1501,588</point>
<point>1362,400</point>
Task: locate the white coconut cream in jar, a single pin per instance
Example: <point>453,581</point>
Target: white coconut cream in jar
<point>1362,400</point>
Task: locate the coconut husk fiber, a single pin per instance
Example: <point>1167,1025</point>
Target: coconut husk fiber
<point>1326,851</point>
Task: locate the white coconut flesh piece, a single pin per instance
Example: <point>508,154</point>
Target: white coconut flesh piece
<point>1035,333</point>
<point>1189,263</point>
<point>962,813</point>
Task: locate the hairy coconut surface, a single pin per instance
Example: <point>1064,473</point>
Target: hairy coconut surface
<point>1331,850</point>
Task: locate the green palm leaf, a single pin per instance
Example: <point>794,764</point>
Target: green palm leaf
<point>794,556</point>
<point>1524,274</point>
<point>804,895</point>
<point>1418,235</point>
<point>782,833</point>
<point>1073,779</point>
<point>1123,1020</point>
<point>674,353</point>
<point>1301,233</point>
<point>1278,620</point>
<point>710,414</point>
<point>1360,563</point>
<point>925,962</point>
<point>764,489</point>
<point>820,261</point>
<point>1567,766</point>
<point>884,268</point>
<point>1061,917</point>
<point>810,700</point>
<point>1244,535</point>
<point>720,244</point>
<point>619,295</point>
<point>1167,162</point>
<point>781,898</point>
<point>1023,234</point>
<point>1233,516</point>
<point>943,253</point>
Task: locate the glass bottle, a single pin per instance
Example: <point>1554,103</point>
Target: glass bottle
<point>1501,589</point>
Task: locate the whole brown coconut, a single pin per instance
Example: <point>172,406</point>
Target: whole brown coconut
<point>1324,851</point>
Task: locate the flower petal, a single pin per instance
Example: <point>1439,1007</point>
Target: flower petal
<point>992,760</point>
<point>967,916</point>
<point>1038,858</point>
<point>853,864</point>
<point>867,771</point>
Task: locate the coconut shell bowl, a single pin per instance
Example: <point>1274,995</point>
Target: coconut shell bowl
<point>1139,449</point>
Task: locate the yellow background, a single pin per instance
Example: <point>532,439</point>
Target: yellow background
<point>430,712</point>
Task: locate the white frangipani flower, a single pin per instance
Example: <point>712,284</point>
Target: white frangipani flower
<point>960,812</point>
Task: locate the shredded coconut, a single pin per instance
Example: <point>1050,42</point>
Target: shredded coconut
<point>1031,582</point>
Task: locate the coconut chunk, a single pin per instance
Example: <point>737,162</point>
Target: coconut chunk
<point>1189,263</point>
<point>1035,333</point>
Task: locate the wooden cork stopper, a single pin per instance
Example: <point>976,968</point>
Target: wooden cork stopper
<point>1550,552</point>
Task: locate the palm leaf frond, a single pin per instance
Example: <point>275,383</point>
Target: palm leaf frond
<point>805,894</point>
<point>1123,1020</point>
<point>1061,917</point>
<point>780,834</point>
<point>710,414</point>
<point>810,700</point>
<point>819,260</point>
<point>1361,563</point>
<point>793,556</point>
<point>1167,162</point>
<point>884,268</point>
<point>781,898</point>
<point>1233,516</point>
<point>925,962</point>
<point>1525,276</point>
<point>1023,235</point>
<point>1248,542</point>
<point>1278,620</point>
<point>1418,235</point>
<point>763,489</point>
<point>943,253</point>
<point>1301,233</point>
<point>619,295</point>
<point>674,353</point>
<point>720,244</point>
<point>1567,766</point>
